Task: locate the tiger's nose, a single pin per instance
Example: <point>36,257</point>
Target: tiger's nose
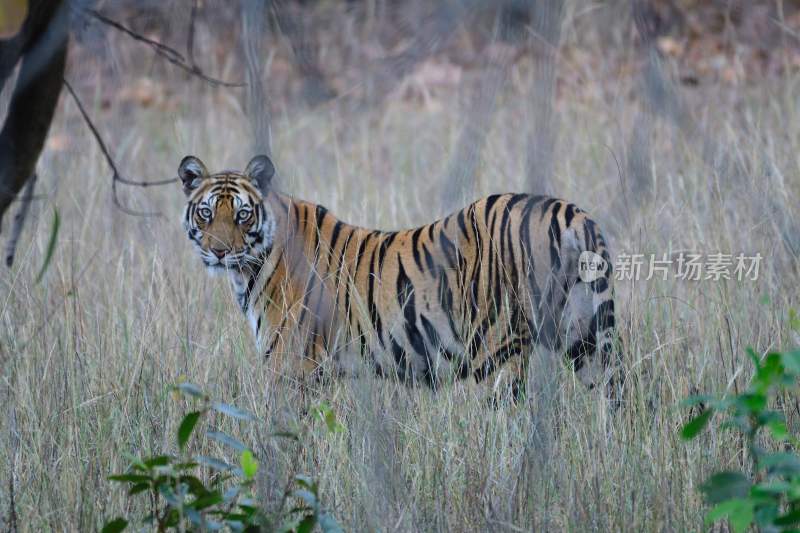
<point>219,252</point>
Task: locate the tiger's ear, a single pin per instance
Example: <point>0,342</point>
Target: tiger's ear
<point>192,172</point>
<point>260,171</point>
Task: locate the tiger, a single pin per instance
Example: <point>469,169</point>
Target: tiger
<point>464,297</point>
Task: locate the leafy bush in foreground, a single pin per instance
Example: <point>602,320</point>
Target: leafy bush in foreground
<point>180,500</point>
<point>769,496</point>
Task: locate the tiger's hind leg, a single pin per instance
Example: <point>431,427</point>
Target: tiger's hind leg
<point>509,384</point>
<point>499,374</point>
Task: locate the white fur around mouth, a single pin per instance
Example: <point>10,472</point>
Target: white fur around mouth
<point>223,264</point>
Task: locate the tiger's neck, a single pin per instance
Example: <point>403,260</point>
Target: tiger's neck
<point>244,281</point>
<point>249,281</point>
<point>298,244</point>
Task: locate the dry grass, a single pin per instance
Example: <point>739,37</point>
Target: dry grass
<point>126,310</point>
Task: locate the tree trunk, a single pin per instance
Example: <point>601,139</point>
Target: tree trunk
<point>41,45</point>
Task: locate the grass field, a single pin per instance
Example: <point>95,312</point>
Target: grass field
<point>125,308</point>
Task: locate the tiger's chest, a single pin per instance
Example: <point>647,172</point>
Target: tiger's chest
<point>240,285</point>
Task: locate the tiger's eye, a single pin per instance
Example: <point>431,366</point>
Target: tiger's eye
<point>243,216</point>
<point>204,213</point>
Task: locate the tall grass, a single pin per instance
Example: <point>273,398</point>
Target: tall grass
<point>126,309</point>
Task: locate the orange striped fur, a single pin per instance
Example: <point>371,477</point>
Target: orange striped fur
<point>461,297</point>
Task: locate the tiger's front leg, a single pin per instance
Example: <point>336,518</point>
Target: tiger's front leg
<point>295,352</point>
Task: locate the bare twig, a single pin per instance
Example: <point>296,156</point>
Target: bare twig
<point>190,38</point>
<point>170,54</point>
<point>13,437</point>
<point>161,48</point>
<point>116,176</point>
<point>12,506</point>
<point>19,219</point>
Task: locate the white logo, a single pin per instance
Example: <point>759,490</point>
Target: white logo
<point>591,266</point>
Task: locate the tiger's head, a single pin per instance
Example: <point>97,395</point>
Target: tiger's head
<point>226,217</point>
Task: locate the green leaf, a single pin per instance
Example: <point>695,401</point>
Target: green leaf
<point>195,486</point>
<point>791,361</point>
<point>172,519</point>
<point>769,374</point>
<point>187,426</point>
<point>766,512</point>
<point>693,427</point>
<point>184,466</point>
<point>328,524</point>
<point>778,430</point>
<point>115,526</point>
<point>232,411</point>
<point>248,502</point>
<point>751,353</point>
<point>157,460</point>
<point>794,320</point>
<point>333,425</point>
<point>725,509</point>
<point>136,463</point>
<point>231,494</point>
<point>249,464</point>
<point>307,496</point>
<point>129,478</point>
<point>772,488</point>
<point>789,519</point>
<point>753,403</point>
<point>139,487</point>
<point>169,495</point>
<point>216,464</point>
<point>51,245</point>
<point>211,525</point>
<point>306,481</point>
<point>741,423</point>
<point>213,498</point>
<point>781,463</point>
<point>190,389</point>
<point>327,415</point>
<point>193,516</point>
<point>697,399</point>
<point>724,486</point>
<point>307,524</point>
<point>290,525</point>
<point>249,510</point>
<point>224,438</point>
<point>741,517</point>
<point>286,435</point>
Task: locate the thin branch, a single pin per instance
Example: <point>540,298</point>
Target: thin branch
<point>12,504</point>
<point>161,48</point>
<point>170,54</point>
<point>26,199</point>
<point>190,38</point>
<point>116,176</point>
